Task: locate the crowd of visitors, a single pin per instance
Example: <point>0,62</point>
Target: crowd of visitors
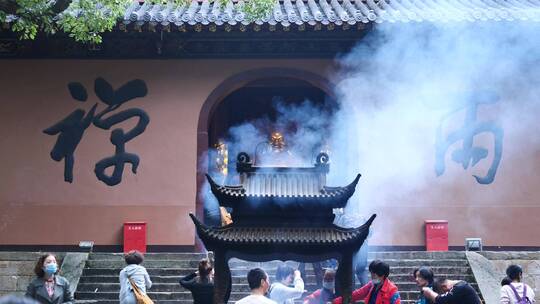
<point>48,287</point>
<point>289,286</point>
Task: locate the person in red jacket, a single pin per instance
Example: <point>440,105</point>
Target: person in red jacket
<point>379,290</point>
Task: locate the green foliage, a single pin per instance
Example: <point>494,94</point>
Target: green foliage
<point>86,20</point>
<point>33,16</point>
<point>258,9</point>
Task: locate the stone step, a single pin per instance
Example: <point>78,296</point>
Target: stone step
<point>118,264</point>
<point>409,277</point>
<point>179,263</point>
<point>185,301</point>
<point>405,270</point>
<point>450,271</point>
<point>237,264</point>
<point>26,256</point>
<point>151,271</point>
<point>189,301</point>
<point>236,287</point>
<point>198,256</point>
<point>396,262</point>
<point>102,301</point>
<point>242,279</point>
<point>99,283</point>
<point>164,287</point>
<point>191,256</point>
<point>166,279</point>
<point>156,296</point>
<point>179,272</point>
<point>414,255</point>
<point>186,295</point>
<point>176,261</point>
<point>426,262</point>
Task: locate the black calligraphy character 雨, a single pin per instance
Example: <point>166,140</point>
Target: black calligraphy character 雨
<point>468,154</point>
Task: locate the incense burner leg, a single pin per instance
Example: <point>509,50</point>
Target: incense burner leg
<point>344,276</point>
<point>222,278</point>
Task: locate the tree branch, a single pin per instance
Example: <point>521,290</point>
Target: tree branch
<point>9,6</point>
<point>60,6</point>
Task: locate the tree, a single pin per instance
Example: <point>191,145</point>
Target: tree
<point>86,20</point>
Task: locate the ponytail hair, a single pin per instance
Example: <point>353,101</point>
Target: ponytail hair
<point>205,268</point>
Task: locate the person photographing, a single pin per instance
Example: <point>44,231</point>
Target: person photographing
<point>288,287</point>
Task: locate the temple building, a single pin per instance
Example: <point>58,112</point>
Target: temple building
<point>94,136</point>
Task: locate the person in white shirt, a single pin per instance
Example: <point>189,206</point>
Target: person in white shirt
<point>258,283</point>
<point>281,292</point>
<point>516,290</point>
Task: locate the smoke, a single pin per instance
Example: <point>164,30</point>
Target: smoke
<point>401,91</point>
<point>404,88</point>
<point>303,128</point>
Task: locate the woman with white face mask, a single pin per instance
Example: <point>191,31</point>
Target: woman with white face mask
<point>49,287</point>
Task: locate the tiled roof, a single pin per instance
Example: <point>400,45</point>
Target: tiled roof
<point>338,12</point>
<point>274,202</point>
<point>281,235</point>
<point>284,185</point>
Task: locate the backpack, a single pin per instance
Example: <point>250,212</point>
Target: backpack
<point>520,300</point>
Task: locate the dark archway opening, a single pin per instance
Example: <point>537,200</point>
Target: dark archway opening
<point>262,104</point>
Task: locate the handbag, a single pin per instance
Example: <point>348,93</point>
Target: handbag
<point>142,298</point>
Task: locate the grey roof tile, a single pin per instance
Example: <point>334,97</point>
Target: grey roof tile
<point>283,235</point>
<point>331,12</point>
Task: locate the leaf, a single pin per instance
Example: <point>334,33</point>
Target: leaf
<point>104,91</point>
<point>78,91</point>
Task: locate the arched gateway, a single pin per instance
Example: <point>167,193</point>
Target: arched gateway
<point>278,212</point>
<point>264,77</point>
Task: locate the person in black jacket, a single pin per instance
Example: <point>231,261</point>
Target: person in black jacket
<point>451,292</point>
<point>200,283</point>
<point>48,287</point>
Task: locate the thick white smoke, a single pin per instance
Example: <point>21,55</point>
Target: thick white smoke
<point>302,126</point>
<point>399,86</point>
<point>401,80</point>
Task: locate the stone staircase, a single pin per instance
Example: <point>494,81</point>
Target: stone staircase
<point>452,264</point>
<point>99,283</point>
